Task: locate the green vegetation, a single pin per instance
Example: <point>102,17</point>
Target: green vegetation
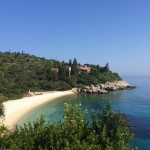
<point>107,130</point>
<point>20,72</point>
<point>2,99</point>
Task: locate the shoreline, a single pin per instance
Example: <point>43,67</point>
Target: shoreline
<point>105,88</point>
<point>15,109</point>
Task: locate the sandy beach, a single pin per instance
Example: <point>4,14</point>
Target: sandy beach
<point>15,109</point>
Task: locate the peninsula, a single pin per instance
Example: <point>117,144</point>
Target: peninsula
<point>21,72</point>
<point>28,76</point>
<point>23,75</point>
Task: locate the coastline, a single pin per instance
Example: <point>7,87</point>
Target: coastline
<point>105,88</point>
<point>15,109</point>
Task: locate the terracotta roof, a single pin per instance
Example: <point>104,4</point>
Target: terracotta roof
<point>68,66</point>
<point>83,67</point>
<point>55,69</point>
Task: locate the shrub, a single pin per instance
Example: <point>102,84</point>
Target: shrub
<point>106,130</point>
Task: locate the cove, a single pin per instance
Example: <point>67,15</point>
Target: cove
<point>135,103</point>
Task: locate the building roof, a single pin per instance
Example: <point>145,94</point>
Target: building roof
<point>84,67</point>
<point>55,69</point>
<point>68,66</point>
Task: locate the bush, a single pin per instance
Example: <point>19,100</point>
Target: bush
<point>59,86</point>
<point>20,72</point>
<point>107,130</point>
<point>2,99</point>
<point>87,79</point>
<point>108,77</point>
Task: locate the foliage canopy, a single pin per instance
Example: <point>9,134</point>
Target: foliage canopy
<point>107,130</point>
<point>20,72</point>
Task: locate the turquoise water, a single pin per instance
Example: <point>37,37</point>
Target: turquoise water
<point>135,103</point>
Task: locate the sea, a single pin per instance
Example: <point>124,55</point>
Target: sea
<point>135,103</point>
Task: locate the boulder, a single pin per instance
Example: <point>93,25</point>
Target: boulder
<point>105,88</point>
<point>84,90</point>
<point>89,91</point>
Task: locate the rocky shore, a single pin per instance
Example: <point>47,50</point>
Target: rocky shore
<point>105,88</point>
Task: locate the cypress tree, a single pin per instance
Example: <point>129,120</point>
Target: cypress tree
<point>74,67</point>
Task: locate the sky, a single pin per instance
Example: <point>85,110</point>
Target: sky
<point>92,31</point>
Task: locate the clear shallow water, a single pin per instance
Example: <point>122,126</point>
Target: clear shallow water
<point>135,103</point>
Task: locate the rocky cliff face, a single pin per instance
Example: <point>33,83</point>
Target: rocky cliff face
<point>106,88</point>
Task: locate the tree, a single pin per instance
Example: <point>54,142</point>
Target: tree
<point>106,68</point>
<point>106,130</point>
<point>2,99</point>
<point>70,62</point>
<point>21,72</point>
<point>1,110</point>
<point>62,71</point>
<point>74,67</point>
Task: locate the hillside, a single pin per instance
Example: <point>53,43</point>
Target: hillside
<point>20,72</point>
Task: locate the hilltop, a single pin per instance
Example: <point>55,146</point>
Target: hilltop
<point>21,72</point>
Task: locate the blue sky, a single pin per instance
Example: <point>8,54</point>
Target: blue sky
<point>93,31</point>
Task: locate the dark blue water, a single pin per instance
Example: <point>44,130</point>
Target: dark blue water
<point>135,103</point>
